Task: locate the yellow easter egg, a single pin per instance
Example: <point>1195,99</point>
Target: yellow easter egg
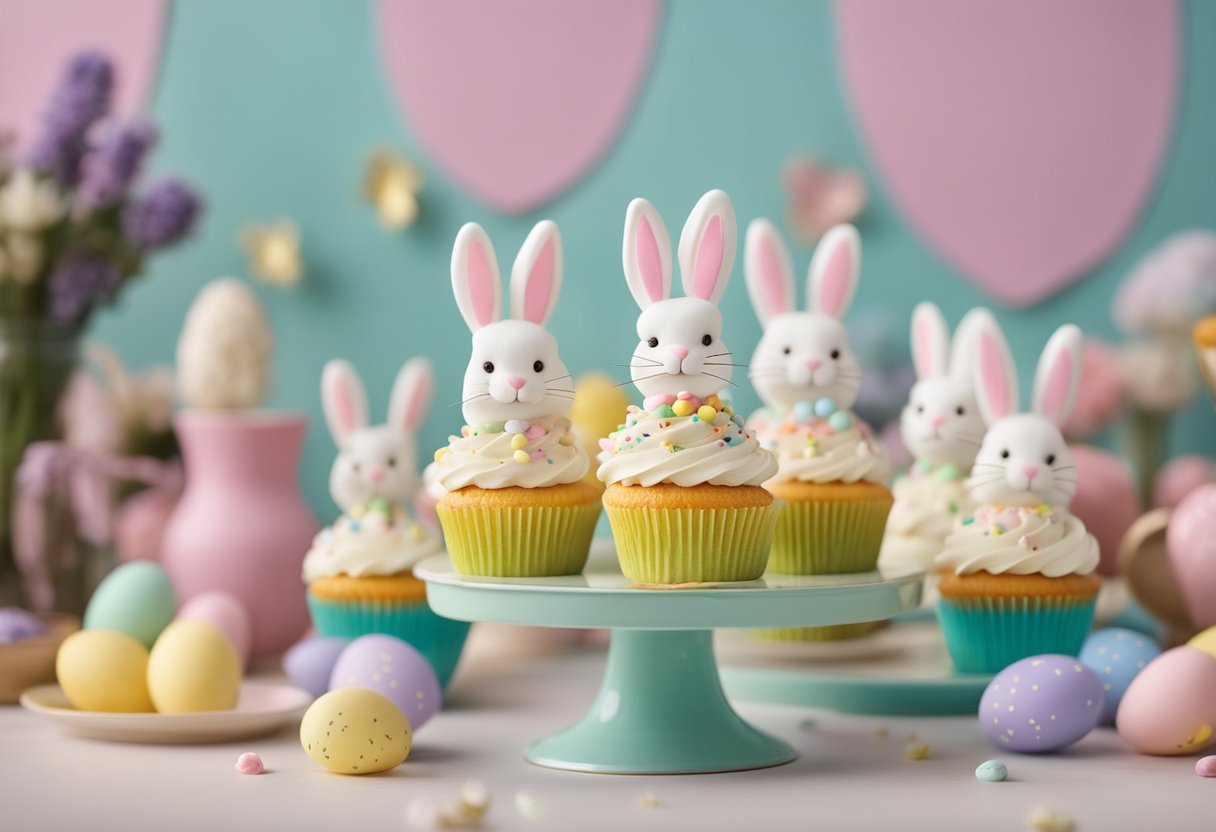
<point>104,670</point>
<point>682,407</point>
<point>193,667</point>
<point>355,731</point>
<point>1205,642</point>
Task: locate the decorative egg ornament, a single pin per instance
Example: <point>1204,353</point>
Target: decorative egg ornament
<point>393,669</point>
<point>355,731</point>
<point>1041,704</point>
<point>1170,708</point>
<point>310,663</point>
<point>1117,655</point>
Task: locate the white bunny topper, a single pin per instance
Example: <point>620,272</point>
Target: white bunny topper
<point>941,423</point>
<point>514,371</point>
<point>680,347</point>
<point>1024,459</point>
<point>803,356</point>
<point>378,461</point>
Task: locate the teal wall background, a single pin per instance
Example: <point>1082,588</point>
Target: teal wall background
<point>273,107</point>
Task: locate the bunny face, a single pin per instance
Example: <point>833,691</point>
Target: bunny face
<point>514,370</point>
<point>941,424</point>
<point>680,347</point>
<point>380,461</point>
<point>1024,459</point>
<point>803,356</point>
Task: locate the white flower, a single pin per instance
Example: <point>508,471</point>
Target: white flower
<point>25,257</point>
<point>29,205</point>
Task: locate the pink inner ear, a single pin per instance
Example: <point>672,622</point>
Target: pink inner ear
<point>539,288</point>
<point>992,377</point>
<point>925,367</point>
<point>481,284</point>
<point>413,407</point>
<point>709,260</point>
<point>1057,386</point>
<point>772,280</point>
<point>344,406</point>
<point>650,264</point>
<point>835,282</point>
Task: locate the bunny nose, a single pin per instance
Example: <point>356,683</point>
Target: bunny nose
<point>375,475</point>
<point>1031,471</point>
<point>680,352</point>
<point>937,421</point>
<point>516,382</point>
<point>814,364</point>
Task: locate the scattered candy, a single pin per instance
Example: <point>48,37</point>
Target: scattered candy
<point>521,457</point>
<point>1206,766</point>
<point>649,800</point>
<point>424,813</point>
<point>991,771</point>
<point>535,432</point>
<point>706,413</point>
<point>515,426</point>
<point>882,732</point>
<point>529,806</point>
<point>249,763</point>
<point>518,441</point>
<point>474,802</point>
<point>916,751</point>
<point>825,407</point>
<point>841,420</point>
<point>804,411</point>
<point>682,407</point>
<point>1049,820</point>
<point>666,412</point>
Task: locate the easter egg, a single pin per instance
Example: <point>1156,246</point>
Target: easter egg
<point>226,614</point>
<point>355,731</point>
<point>1192,553</point>
<point>193,667</point>
<point>104,670</point>
<point>1041,703</point>
<point>393,669</point>
<point>310,663</point>
<point>1117,655</point>
<point>1170,708</point>
<point>136,599</point>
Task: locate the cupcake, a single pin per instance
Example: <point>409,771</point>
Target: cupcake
<point>683,474</point>
<point>513,503</point>
<point>929,501</point>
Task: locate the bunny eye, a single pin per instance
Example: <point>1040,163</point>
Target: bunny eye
<point>538,365</point>
<point>707,340</point>
<point>1004,454</point>
<point>391,462</point>
<point>786,350</point>
<point>488,366</point>
<point>920,408</point>
<point>1051,459</point>
<point>960,410</point>
<point>354,466</point>
<point>652,342</point>
<point>835,354</point>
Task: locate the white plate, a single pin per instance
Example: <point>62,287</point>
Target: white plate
<point>260,709</point>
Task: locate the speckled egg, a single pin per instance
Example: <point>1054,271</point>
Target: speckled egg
<point>355,731</point>
<point>104,670</point>
<point>1170,708</point>
<point>1117,655</point>
<point>310,663</point>
<point>227,614</point>
<point>193,667</point>
<point>136,599</point>
<point>394,669</point>
<point>1041,703</point>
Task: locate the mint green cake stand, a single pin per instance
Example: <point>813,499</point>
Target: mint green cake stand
<point>661,708</point>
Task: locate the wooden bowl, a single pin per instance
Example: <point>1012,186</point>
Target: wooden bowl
<point>31,661</point>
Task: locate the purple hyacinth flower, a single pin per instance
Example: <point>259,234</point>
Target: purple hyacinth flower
<point>162,215</point>
<point>78,284</point>
<point>108,171</point>
<point>82,97</point>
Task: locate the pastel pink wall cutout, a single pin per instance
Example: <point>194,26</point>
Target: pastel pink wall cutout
<point>516,101</point>
<point>1021,140</point>
<point>36,38</point>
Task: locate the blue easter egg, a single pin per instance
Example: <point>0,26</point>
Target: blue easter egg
<point>803,411</point>
<point>841,420</point>
<point>1117,655</point>
<point>825,407</point>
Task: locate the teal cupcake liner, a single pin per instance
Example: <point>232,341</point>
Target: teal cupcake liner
<point>988,634</point>
<point>439,639</point>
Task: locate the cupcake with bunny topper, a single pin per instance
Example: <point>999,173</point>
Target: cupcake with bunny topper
<point>942,427</point>
<point>683,474</point>
<point>359,570</point>
<point>513,501</point>
<point>831,471</point>
<point>1017,576</point>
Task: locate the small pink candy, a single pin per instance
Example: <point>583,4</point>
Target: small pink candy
<point>538,454</point>
<point>605,444</point>
<point>1206,766</point>
<point>657,400</point>
<point>249,763</point>
<point>534,432</point>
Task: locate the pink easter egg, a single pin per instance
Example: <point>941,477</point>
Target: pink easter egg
<point>1179,477</point>
<point>1106,500</point>
<point>226,614</point>
<point>1170,708</point>
<point>1192,553</point>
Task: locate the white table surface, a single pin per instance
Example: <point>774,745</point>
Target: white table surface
<point>846,777</point>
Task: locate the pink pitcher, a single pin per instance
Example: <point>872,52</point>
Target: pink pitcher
<point>242,525</point>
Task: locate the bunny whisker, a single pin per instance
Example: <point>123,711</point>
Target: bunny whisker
<point>648,358</point>
<point>557,378</point>
<point>470,399</point>
<point>721,364</point>
<point>720,378</point>
<point>1064,468</point>
<point>642,378</point>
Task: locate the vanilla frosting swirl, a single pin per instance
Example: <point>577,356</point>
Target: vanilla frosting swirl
<point>835,449</point>
<point>928,503</point>
<point>377,539</point>
<point>1020,540</point>
<point>658,446</point>
<point>505,454</point>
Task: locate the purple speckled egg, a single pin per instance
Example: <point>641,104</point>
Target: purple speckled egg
<point>393,669</point>
<point>1041,703</point>
<point>311,662</point>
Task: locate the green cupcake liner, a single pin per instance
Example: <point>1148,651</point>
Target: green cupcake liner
<point>525,542</point>
<point>439,639</point>
<point>688,545</point>
<point>835,632</point>
<point>986,635</point>
<point>828,538</point>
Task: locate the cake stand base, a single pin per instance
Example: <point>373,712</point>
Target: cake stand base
<point>660,710</point>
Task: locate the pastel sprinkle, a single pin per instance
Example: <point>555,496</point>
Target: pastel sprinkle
<point>249,763</point>
<point>465,430</point>
<point>682,407</point>
<point>521,457</point>
<point>916,751</point>
<point>1206,766</point>
<point>441,453</point>
<point>666,412</point>
<point>707,413</point>
<point>538,454</point>
<point>991,771</point>
<point>518,441</point>
<point>605,444</point>
<point>1049,820</point>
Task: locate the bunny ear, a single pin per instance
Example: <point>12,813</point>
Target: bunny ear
<point>767,270</point>
<point>536,277</point>
<point>930,341</point>
<point>343,400</point>
<point>996,378</point>
<point>962,348</point>
<point>647,254</point>
<point>707,247</point>
<point>475,280</point>
<point>1058,374</point>
<point>411,397</point>
<point>835,267</point>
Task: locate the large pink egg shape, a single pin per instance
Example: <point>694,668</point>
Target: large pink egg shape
<point>1170,708</point>
<point>1192,552</point>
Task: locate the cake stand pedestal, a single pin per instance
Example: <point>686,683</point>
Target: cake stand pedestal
<point>661,708</point>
